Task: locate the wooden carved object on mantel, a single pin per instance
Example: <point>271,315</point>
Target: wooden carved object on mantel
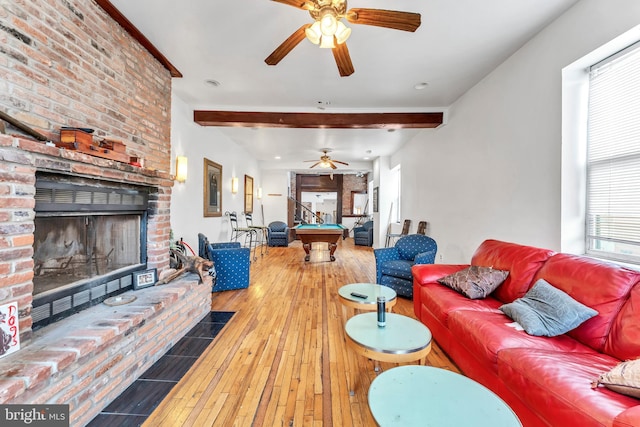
<point>192,264</point>
<point>76,139</point>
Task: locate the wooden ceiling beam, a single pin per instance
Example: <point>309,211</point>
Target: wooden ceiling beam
<point>318,120</point>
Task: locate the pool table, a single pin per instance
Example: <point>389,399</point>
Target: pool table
<point>310,233</point>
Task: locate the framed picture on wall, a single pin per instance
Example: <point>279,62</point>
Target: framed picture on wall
<point>375,199</point>
<point>212,188</point>
<point>248,194</point>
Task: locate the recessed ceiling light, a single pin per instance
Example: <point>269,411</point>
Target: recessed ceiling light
<point>420,86</point>
<point>277,157</point>
<point>365,158</point>
<point>212,82</point>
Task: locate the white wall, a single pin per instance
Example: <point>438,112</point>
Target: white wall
<point>197,142</point>
<point>381,179</point>
<point>494,171</point>
<point>275,189</point>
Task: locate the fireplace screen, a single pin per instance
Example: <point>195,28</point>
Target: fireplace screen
<point>73,248</point>
<point>90,237</point>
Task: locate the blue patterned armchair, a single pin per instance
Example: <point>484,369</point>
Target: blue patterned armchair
<point>278,234</point>
<point>230,261</point>
<point>363,236</point>
<point>393,265</point>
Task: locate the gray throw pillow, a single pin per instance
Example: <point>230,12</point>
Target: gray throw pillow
<point>547,311</point>
<point>475,282</point>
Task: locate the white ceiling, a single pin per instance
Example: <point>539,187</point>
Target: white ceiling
<point>458,43</point>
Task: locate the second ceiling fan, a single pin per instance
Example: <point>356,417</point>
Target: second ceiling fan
<point>326,161</point>
<point>328,30</point>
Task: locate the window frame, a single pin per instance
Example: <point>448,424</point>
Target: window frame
<point>574,101</point>
<point>612,228</point>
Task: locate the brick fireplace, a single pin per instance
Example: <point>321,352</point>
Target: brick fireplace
<point>69,64</point>
<point>87,359</point>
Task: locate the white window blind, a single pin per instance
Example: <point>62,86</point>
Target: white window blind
<point>613,158</point>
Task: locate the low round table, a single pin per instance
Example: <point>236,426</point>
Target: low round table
<point>402,340</point>
<point>371,290</point>
<point>426,396</point>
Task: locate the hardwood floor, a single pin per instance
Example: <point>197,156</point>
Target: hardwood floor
<point>282,359</point>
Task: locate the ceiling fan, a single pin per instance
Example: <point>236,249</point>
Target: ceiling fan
<point>326,161</point>
<point>328,30</point>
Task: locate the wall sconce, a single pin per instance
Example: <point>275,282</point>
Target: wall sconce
<point>234,185</point>
<point>259,193</point>
<point>181,168</point>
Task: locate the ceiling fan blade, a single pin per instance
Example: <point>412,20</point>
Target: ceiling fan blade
<point>405,21</point>
<point>300,4</point>
<point>342,163</point>
<point>343,60</point>
<point>286,46</point>
<point>314,165</point>
<point>332,165</point>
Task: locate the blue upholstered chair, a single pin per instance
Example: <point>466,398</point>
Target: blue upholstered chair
<point>230,261</point>
<point>363,236</point>
<point>393,265</point>
<point>278,234</point>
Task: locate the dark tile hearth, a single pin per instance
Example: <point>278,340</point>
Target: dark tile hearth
<point>138,401</point>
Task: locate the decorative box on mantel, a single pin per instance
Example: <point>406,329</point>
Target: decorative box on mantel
<point>80,140</point>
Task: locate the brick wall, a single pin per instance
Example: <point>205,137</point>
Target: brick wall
<point>352,183</point>
<point>67,63</point>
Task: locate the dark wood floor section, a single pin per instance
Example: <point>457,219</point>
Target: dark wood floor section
<point>282,360</point>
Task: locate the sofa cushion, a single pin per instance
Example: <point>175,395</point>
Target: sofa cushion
<point>522,262</point>
<point>441,301</point>
<point>547,311</point>
<point>623,341</point>
<point>485,333</point>
<point>623,378</point>
<point>475,282</point>
<point>557,385</point>
<point>397,268</point>
<point>605,287</point>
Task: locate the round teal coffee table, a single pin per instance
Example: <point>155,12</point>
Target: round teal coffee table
<point>432,397</point>
<point>371,290</point>
<point>402,340</point>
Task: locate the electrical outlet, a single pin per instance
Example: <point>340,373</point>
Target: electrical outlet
<point>440,257</point>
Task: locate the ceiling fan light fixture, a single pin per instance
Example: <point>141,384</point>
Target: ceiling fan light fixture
<point>313,33</point>
<point>328,22</point>
<point>326,42</point>
<point>343,32</point>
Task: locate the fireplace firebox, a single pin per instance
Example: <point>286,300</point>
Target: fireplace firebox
<point>90,236</point>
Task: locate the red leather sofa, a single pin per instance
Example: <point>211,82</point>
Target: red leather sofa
<point>546,381</point>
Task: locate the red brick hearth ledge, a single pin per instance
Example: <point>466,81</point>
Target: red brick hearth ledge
<point>88,359</point>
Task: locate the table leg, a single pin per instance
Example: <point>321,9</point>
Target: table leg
<point>307,250</point>
<point>352,365</point>
<point>332,250</point>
